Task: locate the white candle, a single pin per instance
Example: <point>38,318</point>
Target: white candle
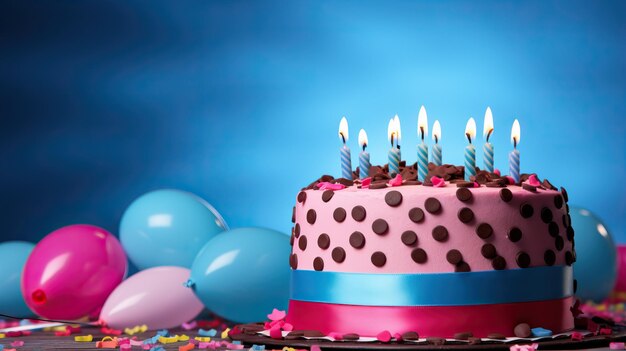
<point>436,153</point>
<point>488,148</point>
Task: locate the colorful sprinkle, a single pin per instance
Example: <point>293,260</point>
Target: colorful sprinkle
<point>539,332</point>
<point>210,332</point>
<point>83,338</point>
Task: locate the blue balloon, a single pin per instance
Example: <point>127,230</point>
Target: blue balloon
<point>14,255</point>
<point>596,256</point>
<point>167,228</point>
<point>243,274</point>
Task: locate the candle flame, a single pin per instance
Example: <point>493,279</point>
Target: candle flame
<point>436,131</point>
<point>470,129</point>
<point>362,138</point>
<point>488,127</point>
<point>396,120</point>
<point>392,134</point>
<point>343,129</point>
<point>422,123</point>
<point>515,133</point>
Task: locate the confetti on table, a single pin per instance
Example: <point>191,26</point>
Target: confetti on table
<point>17,343</point>
<point>211,332</point>
<point>83,338</point>
<point>187,347</point>
<point>225,333</point>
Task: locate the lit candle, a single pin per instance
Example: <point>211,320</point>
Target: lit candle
<point>346,162</point>
<point>514,155</point>
<point>488,148</point>
<point>436,153</point>
<point>470,150</point>
<point>394,152</point>
<point>422,149</point>
<point>364,156</point>
<point>396,120</point>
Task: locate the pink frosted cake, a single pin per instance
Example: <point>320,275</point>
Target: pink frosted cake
<point>460,257</point>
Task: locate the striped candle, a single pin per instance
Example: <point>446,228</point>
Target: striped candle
<point>396,121</point>
<point>436,153</point>
<point>470,150</point>
<point>346,159</point>
<point>514,155</point>
<point>394,161</point>
<point>422,161</point>
<point>364,156</point>
<point>488,148</point>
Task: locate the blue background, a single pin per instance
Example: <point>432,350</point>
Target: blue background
<point>239,102</point>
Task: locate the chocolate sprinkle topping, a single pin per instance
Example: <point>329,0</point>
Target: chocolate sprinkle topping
<point>484,230</point>
<point>440,233</point>
<point>358,213</point>
<point>339,254</point>
<point>293,261</point>
<point>463,194</point>
<point>549,257</point>
<point>498,263</point>
<point>522,259</point>
<point>301,197</point>
<point>454,256</point>
<point>522,330</point>
<point>526,210</point>
<point>432,205</point>
<point>515,234</point>
<point>339,214</point>
<point>357,240</point>
<point>465,215</point>
<point>558,201</point>
<point>302,243</point>
<point>318,264</point>
<point>546,215</point>
<point>380,226</point>
<point>409,238</point>
<point>311,216</point>
<point>323,241</point>
<point>506,195</point>
<point>416,214</point>
<point>327,195</point>
<point>553,229</point>
<point>488,251</point>
<point>393,198</point>
<point>419,255</point>
<point>379,259</point>
<point>462,267</point>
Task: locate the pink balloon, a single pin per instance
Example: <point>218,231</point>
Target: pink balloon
<point>156,297</point>
<point>72,271</point>
<point>620,284</point>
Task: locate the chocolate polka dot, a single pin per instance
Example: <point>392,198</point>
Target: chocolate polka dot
<point>409,238</point>
<point>393,198</point>
<point>462,267</point>
<point>432,205</point>
<point>380,226</point>
<point>569,259</point>
<point>311,216</point>
<point>323,241</point>
<point>302,243</point>
<point>293,214</point>
<point>546,215</point>
<point>440,233</point>
<point>463,194</point>
<point>484,230</point>
<point>454,256</point>
<point>558,201</point>
<point>553,229</point>
<point>296,230</point>
<point>419,256</point>
<point>564,193</point>
<point>570,233</point>
<point>292,238</point>
<point>488,251</point>
<point>379,259</point>
<point>549,257</point>
<point>327,195</point>
<point>358,213</point>
<point>416,214</point>
<point>522,259</point>
<point>498,263</point>
<point>357,240</point>
<point>301,197</point>
<point>339,254</point>
<point>318,264</point>
<point>514,234</point>
<point>526,210</point>
<point>506,195</point>
<point>559,243</point>
<point>293,261</point>
<point>465,215</point>
<point>339,214</point>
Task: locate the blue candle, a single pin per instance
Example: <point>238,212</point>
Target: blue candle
<point>346,161</point>
<point>364,156</point>
<point>396,120</point>
<point>394,152</point>
<point>514,155</point>
<point>470,150</point>
<point>488,148</point>
<point>422,148</point>
<point>436,153</point>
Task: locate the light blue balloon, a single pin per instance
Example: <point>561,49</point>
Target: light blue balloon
<point>596,256</point>
<point>14,255</point>
<point>167,228</point>
<point>243,274</point>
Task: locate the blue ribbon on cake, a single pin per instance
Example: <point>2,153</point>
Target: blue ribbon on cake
<point>433,289</point>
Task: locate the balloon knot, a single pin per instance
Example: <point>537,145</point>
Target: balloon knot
<point>189,284</point>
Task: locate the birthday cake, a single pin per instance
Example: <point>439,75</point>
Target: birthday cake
<point>446,257</point>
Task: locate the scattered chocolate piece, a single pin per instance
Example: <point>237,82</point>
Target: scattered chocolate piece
<point>313,333</point>
<point>465,215</point>
<point>559,243</point>
<point>522,330</point>
<point>506,195</point>
<point>529,187</point>
<point>293,214</point>
<point>345,182</point>
<point>301,197</point>
<point>498,263</point>
<point>473,340</point>
<point>311,216</point>
<point>553,229</point>
<point>435,340</point>
<point>432,205</point>
<point>465,184</point>
<point>440,233</point>
<point>338,254</point>
<point>409,238</point>
<point>488,251</point>
<point>546,183</point>
<point>293,261</point>
<point>546,215</point>
<point>416,214</point>
<point>380,226</point>
<point>558,201</point>
<point>351,337</point>
<point>302,242</point>
<point>379,259</point>
<point>410,335</point>
<point>514,234</point>
<point>327,195</point>
<point>570,233</point>
<point>339,214</point>
<point>357,240</point>
<point>378,185</point>
<point>454,256</point>
<point>484,230</point>
<point>569,258</point>
<point>419,255</point>
<point>463,335</point>
<point>358,213</point>
<point>463,194</point>
<point>549,257</point>
<point>522,259</point>
<point>296,230</point>
<point>496,336</point>
<point>323,241</point>
<point>318,264</point>
<point>412,182</point>
<point>462,267</point>
<point>393,198</point>
<point>564,193</point>
<point>526,210</point>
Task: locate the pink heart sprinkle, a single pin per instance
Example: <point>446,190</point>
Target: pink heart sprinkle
<point>438,182</point>
<point>276,315</point>
<point>532,180</point>
<point>496,171</point>
<point>384,336</point>
<point>275,323</point>
<point>365,183</point>
<point>397,181</point>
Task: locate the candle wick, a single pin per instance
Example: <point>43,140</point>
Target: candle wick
<point>436,140</point>
<point>469,138</point>
<point>398,146</point>
<point>392,134</point>
<point>515,143</point>
<point>422,131</point>
<point>364,145</point>
<point>489,134</point>
<point>343,138</point>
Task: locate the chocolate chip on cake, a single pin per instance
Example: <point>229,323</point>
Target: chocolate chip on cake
<point>302,243</point>
<point>301,197</point>
<point>454,256</point>
<point>465,215</point>
<point>484,230</point>
<point>462,267</point>
<point>327,195</point>
<point>318,264</point>
<point>546,184</point>
<point>570,233</point>
<point>293,261</point>
<point>558,201</point>
<point>559,243</point>
<point>416,214</point>
<point>546,215</point>
<point>553,229</point>
<point>488,251</point>
<point>293,214</point>
<point>506,195</point>
<point>393,198</point>
<point>358,213</point>
<point>338,254</point>
<point>357,240</point>
<point>323,241</point>
<point>498,263</point>
<point>549,257</point>
<point>514,234</point>
<point>311,216</point>
<point>463,194</point>
<point>296,230</point>
<point>522,259</point>
<point>440,233</point>
<point>380,226</point>
<point>409,238</point>
<point>432,205</point>
<point>379,259</point>
<point>528,187</point>
<point>339,214</point>
<point>526,210</point>
<point>419,255</point>
<point>464,184</point>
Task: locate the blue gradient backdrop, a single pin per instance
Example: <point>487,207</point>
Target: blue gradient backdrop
<point>240,102</point>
